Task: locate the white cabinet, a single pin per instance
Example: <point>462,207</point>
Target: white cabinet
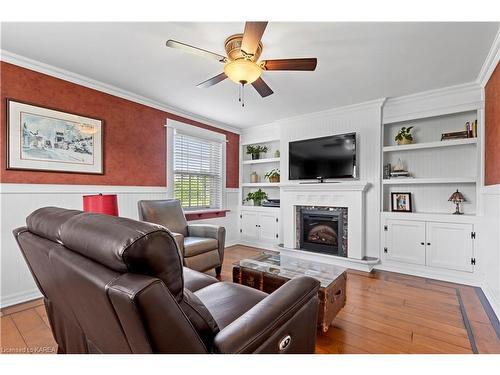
<point>249,225</point>
<point>449,246</point>
<point>405,241</point>
<point>431,244</point>
<point>260,225</point>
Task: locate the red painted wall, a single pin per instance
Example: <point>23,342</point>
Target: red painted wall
<point>134,134</point>
<point>492,129</point>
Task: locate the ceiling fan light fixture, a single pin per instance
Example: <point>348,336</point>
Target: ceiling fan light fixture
<point>242,71</point>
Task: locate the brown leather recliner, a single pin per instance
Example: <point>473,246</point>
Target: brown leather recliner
<point>116,285</point>
<point>201,245</point>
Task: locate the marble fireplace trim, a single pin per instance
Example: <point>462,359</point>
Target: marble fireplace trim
<point>345,194</point>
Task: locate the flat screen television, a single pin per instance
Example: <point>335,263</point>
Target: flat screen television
<point>323,158</point>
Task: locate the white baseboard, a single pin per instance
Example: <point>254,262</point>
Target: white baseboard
<point>442,275</point>
<point>14,299</point>
<point>492,299</point>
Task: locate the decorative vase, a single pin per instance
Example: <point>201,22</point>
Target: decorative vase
<point>277,153</point>
<point>255,156</point>
<point>257,202</point>
<point>254,177</point>
<point>404,141</point>
<point>274,179</point>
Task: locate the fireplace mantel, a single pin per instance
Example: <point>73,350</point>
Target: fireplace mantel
<point>326,186</point>
<point>350,194</point>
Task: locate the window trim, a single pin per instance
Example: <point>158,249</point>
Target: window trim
<point>195,131</point>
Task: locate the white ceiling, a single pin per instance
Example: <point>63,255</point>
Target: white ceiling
<point>356,61</point>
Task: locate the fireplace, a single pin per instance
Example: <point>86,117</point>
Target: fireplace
<point>322,229</point>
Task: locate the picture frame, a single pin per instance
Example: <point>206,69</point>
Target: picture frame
<point>45,139</point>
<point>401,202</point>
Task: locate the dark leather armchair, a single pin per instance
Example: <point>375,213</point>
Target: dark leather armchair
<point>201,245</point>
<point>116,285</point>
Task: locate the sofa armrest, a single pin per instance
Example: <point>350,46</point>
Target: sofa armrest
<point>179,240</point>
<point>210,231</point>
<point>283,322</point>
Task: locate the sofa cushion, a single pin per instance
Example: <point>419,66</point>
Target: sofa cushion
<point>198,245</point>
<point>227,301</point>
<point>199,316</point>
<point>194,280</point>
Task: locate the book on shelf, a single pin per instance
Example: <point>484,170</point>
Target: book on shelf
<point>455,135</point>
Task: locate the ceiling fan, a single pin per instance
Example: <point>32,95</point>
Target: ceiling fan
<point>241,64</point>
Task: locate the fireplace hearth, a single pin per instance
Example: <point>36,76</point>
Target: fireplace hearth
<point>322,229</point>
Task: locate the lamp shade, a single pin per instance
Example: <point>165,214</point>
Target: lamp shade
<point>102,204</point>
<point>457,197</point>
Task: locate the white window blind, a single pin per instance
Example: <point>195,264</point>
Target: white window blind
<point>197,171</point>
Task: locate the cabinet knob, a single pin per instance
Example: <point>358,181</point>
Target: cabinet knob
<point>422,243</point>
<point>428,244</point>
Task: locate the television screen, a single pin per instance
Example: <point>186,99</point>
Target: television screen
<point>322,158</point>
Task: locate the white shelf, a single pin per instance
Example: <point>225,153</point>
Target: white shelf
<point>418,146</point>
<point>439,180</point>
<point>260,184</point>
<point>262,161</point>
<point>430,216</point>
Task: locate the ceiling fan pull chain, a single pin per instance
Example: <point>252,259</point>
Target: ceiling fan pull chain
<point>239,93</point>
<point>242,94</point>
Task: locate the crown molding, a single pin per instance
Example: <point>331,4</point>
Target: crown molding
<point>376,103</point>
<point>490,63</point>
<point>81,80</point>
<point>429,94</point>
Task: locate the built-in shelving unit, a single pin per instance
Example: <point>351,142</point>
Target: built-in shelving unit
<point>267,162</point>
<point>437,168</point>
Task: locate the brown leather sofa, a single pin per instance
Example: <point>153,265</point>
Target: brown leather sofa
<point>116,285</point>
<point>201,245</point>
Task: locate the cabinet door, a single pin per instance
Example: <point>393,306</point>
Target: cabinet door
<point>405,241</point>
<point>249,226</point>
<point>449,246</point>
<point>268,227</point>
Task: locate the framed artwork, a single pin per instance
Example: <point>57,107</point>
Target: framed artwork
<point>401,202</point>
<point>45,139</point>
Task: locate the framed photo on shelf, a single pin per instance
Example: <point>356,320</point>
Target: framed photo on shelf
<point>401,202</point>
<point>45,139</point>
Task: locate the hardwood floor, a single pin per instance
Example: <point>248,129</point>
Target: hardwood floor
<point>385,313</point>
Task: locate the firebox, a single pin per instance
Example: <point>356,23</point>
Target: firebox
<point>323,230</point>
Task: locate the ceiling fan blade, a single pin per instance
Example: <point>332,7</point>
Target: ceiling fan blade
<point>262,88</point>
<point>212,81</point>
<point>195,50</point>
<point>251,36</point>
<point>290,64</point>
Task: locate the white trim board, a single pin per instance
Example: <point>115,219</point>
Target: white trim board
<point>16,188</point>
<point>490,63</point>
<point>81,80</point>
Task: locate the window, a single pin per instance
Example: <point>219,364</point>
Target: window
<point>197,169</point>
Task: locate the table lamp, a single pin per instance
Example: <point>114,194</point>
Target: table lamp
<point>457,198</point>
<point>102,204</point>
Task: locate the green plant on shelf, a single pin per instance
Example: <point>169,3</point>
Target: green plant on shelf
<point>257,197</point>
<point>404,136</point>
<point>256,150</point>
<point>273,175</point>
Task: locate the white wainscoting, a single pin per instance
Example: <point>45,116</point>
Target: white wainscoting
<point>488,245</point>
<point>17,201</point>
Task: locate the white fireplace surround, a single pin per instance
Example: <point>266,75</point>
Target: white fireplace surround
<point>350,194</point>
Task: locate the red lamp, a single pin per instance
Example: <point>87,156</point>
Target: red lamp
<point>102,204</point>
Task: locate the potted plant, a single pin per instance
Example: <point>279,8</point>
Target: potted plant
<point>273,175</point>
<point>404,136</point>
<point>255,151</point>
<point>257,197</point>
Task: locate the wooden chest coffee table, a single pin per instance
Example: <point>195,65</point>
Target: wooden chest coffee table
<point>269,270</point>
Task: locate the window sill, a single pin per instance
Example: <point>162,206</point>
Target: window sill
<point>204,214</point>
